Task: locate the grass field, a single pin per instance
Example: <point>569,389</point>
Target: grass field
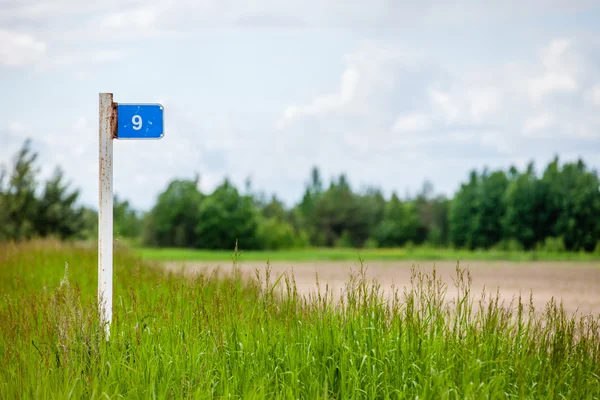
<point>170,254</point>
<point>207,337</point>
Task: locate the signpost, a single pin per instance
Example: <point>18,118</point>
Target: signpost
<point>117,121</point>
<point>140,121</point>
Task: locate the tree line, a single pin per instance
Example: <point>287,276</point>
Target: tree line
<point>558,209</point>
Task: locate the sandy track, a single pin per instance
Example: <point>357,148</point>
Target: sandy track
<point>576,284</point>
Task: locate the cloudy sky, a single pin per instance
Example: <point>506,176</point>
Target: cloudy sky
<point>390,92</point>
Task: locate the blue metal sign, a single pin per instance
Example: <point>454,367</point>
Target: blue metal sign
<point>140,121</point>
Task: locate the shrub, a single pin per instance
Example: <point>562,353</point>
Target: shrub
<point>371,243</point>
<point>274,234</point>
<point>552,245</point>
<point>344,241</point>
<point>510,245</point>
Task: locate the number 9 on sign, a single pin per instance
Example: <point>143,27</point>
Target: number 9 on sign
<point>140,121</point>
<point>137,122</point>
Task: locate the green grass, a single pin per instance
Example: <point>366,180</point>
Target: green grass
<point>213,337</point>
<point>320,254</point>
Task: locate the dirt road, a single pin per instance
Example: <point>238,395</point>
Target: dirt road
<point>576,284</point>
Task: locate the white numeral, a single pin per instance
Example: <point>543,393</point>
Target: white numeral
<point>137,122</point>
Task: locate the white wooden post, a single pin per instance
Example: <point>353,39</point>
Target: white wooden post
<point>108,125</point>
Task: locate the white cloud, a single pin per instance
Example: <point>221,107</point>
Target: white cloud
<point>539,125</point>
<point>325,104</point>
<point>17,127</point>
<point>465,103</point>
<point>443,104</point>
<point>87,57</point>
<point>550,83</point>
<point>140,17</point>
<point>20,49</point>
<point>596,95</point>
<point>477,113</point>
<point>371,73</point>
<point>412,122</point>
<point>190,14</point>
<point>497,141</point>
<point>80,75</point>
<point>483,102</point>
<point>82,124</point>
<point>34,10</point>
<point>25,50</point>
<point>552,54</point>
<point>485,95</point>
<point>560,72</point>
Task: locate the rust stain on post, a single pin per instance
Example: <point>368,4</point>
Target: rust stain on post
<point>114,119</point>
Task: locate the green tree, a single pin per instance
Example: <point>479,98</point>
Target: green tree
<point>437,221</point>
<point>400,223</point>
<point>338,210</point>
<point>19,201</point>
<point>225,217</point>
<point>25,213</point>
<point>90,224</point>
<point>373,205</point>
<point>174,218</point>
<point>526,218</point>
<point>463,213</point>
<point>57,212</point>
<point>478,209</point>
<point>491,207</point>
<point>424,211</point>
<point>433,217</point>
<point>574,204</point>
<point>127,222</point>
<point>275,209</point>
<point>304,214</point>
<point>3,204</point>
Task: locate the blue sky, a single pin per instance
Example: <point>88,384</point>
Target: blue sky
<point>389,92</point>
